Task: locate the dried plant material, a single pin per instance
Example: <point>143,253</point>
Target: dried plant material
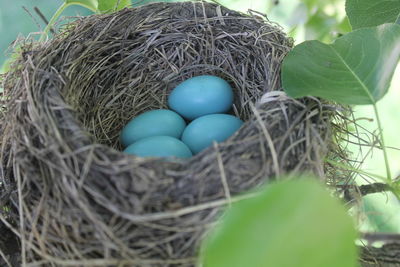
<point>77,200</point>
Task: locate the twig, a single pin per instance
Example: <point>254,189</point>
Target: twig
<point>42,16</point>
<point>374,188</point>
<point>30,14</point>
<point>4,257</point>
<point>350,191</point>
<point>377,237</point>
<point>223,175</point>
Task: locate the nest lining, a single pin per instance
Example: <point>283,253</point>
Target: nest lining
<point>80,201</point>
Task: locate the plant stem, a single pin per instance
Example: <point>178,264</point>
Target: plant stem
<point>396,189</point>
<point>388,173</point>
<point>350,168</point>
<point>52,21</point>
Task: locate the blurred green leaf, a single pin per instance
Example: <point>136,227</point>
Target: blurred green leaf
<point>311,4</point>
<point>319,26</point>
<point>369,13</point>
<point>291,223</point>
<point>299,16</point>
<point>90,4</point>
<point>344,26</point>
<point>112,5</point>
<point>356,69</point>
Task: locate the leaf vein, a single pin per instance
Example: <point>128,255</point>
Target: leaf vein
<point>354,74</point>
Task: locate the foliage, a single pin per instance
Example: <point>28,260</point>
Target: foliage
<point>356,69</point>
<point>372,12</point>
<point>323,20</point>
<point>291,223</point>
<point>106,6</point>
<point>319,26</point>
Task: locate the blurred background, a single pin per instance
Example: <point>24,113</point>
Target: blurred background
<point>324,20</point>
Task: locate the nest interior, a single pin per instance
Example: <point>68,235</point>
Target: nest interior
<point>75,199</point>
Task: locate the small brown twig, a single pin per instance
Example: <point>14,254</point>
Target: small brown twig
<point>42,16</point>
<point>350,191</point>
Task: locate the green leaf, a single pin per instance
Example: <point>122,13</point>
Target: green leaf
<point>299,16</point>
<point>356,69</point>
<point>367,13</point>
<point>344,26</point>
<point>90,4</point>
<point>312,4</point>
<point>291,223</point>
<point>112,5</point>
<point>319,26</point>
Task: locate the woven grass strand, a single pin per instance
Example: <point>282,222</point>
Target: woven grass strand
<point>80,201</point>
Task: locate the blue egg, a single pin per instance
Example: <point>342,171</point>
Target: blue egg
<point>201,132</point>
<point>153,123</point>
<point>201,95</point>
<point>159,146</point>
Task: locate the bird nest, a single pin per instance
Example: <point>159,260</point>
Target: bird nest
<point>75,199</point>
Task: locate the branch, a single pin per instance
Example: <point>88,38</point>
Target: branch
<point>381,237</point>
<point>43,17</point>
<point>353,191</point>
<point>374,188</point>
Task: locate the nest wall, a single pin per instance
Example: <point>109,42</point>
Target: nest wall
<point>77,200</point>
